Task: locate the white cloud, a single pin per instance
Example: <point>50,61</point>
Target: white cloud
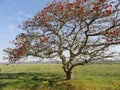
<point>10,18</point>
<point>24,14</point>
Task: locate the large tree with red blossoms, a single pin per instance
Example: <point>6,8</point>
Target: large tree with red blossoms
<point>76,32</point>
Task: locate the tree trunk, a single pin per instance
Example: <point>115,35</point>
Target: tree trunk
<point>68,75</point>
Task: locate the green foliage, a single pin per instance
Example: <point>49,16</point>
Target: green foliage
<point>52,77</point>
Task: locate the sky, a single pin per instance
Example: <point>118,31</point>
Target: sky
<point>12,14</point>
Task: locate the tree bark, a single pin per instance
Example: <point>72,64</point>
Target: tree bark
<point>68,75</point>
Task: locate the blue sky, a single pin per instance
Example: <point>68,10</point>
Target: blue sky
<point>13,13</point>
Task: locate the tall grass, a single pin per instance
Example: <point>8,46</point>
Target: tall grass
<point>52,77</point>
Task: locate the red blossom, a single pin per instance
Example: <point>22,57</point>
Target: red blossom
<point>66,15</point>
<point>36,17</point>
<point>35,46</point>
<point>109,40</point>
<point>51,5</point>
<point>107,6</point>
<point>70,5</point>
<point>53,42</point>
<point>102,1</point>
<point>42,22</point>
<point>22,38</point>
<point>109,11</point>
<point>81,10</point>
<point>61,7</point>
<point>46,37</point>
<point>27,46</point>
<point>95,7</point>
<point>43,39</point>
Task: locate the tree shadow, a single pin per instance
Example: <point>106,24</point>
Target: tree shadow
<point>29,81</point>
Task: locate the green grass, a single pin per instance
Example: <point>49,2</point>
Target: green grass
<point>52,77</point>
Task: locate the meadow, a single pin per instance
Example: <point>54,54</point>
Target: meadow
<point>52,77</point>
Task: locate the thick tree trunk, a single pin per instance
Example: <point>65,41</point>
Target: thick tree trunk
<point>68,75</point>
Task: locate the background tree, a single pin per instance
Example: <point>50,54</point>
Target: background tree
<point>83,28</point>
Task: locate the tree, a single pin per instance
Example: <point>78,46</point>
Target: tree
<point>85,29</point>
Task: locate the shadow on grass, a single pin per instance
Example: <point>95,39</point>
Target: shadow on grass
<point>29,81</point>
<point>46,81</point>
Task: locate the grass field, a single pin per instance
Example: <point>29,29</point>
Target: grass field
<point>52,77</point>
